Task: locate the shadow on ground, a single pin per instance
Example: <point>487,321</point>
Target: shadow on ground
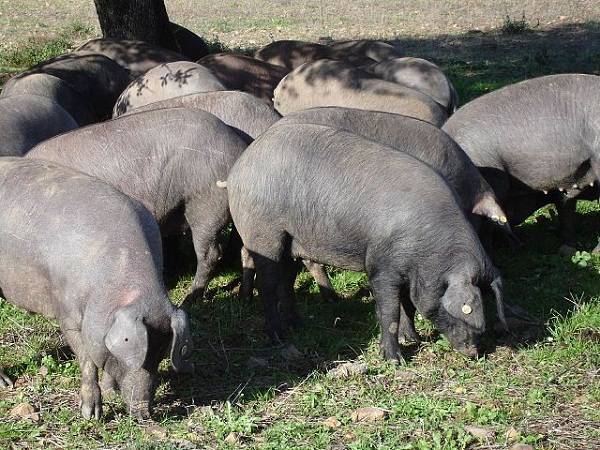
<point>478,62</point>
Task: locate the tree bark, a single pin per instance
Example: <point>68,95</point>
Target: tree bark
<point>144,20</point>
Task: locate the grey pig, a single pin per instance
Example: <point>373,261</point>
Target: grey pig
<point>337,83</point>
<point>26,120</point>
<point>536,142</point>
<point>64,257</point>
<point>416,138</point>
<point>243,112</point>
<point>336,198</point>
<point>55,89</point>
<point>97,79</point>
<point>243,73</point>
<point>136,56</point>
<point>292,54</point>
<point>166,81</point>
<point>170,161</point>
<point>419,74</point>
<point>367,48</point>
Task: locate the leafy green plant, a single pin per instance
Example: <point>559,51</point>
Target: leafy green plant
<point>582,259</point>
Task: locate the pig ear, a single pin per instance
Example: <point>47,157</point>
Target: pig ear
<point>181,347</point>
<point>497,289</point>
<point>461,304</point>
<point>487,206</point>
<point>127,339</point>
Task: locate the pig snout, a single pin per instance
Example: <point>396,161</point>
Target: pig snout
<point>471,351</point>
<point>141,410</point>
<point>137,389</point>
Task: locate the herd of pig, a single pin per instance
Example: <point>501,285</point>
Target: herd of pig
<point>371,168</point>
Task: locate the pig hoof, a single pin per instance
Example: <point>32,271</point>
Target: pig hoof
<point>108,387</point>
<point>91,410</point>
<point>91,402</point>
<point>408,339</point>
<point>394,355</point>
<point>5,381</point>
<point>141,414</point>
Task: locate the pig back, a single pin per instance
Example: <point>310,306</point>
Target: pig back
<point>65,236</point>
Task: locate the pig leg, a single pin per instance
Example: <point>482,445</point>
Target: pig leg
<point>288,296</point>
<point>596,169</point>
<point>108,385</point>
<point>406,332</point>
<point>232,248</point>
<point>5,381</point>
<point>206,221</point>
<point>387,292</point>
<point>567,216</point>
<point>90,396</point>
<point>248,273</point>
<point>271,281</point>
<point>318,272</point>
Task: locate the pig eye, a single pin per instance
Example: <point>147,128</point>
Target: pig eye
<point>126,339</point>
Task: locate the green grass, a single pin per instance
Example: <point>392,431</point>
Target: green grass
<point>34,51</point>
<point>542,382</point>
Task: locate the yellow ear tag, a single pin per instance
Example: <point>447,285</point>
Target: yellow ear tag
<point>503,219</point>
<point>466,309</point>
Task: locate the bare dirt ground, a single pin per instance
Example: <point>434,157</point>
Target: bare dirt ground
<point>249,23</point>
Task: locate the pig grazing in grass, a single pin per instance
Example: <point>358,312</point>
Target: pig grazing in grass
<point>536,142</point>
<point>414,137</point>
<point>337,83</point>
<point>336,198</point>
<point>27,119</point>
<point>170,161</point>
<point>77,250</point>
<point>421,140</point>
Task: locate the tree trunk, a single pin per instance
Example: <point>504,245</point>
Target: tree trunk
<point>144,20</point>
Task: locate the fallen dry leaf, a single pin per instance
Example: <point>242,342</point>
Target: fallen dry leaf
<point>24,411</point>
<point>521,447</point>
<point>480,433</point>
<point>348,369</point>
<point>368,414</point>
<point>232,438</point>
<point>512,434</point>
<point>157,431</point>
<point>332,422</point>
